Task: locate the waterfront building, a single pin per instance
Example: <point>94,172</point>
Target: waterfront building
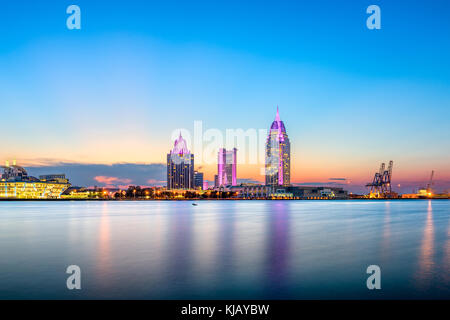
<point>256,191</point>
<point>226,167</point>
<point>61,178</point>
<point>198,180</point>
<point>16,183</point>
<point>316,193</point>
<point>278,155</point>
<point>251,191</point>
<point>180,166</point>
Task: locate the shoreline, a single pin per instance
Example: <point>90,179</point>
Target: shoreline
<point>194,199</point>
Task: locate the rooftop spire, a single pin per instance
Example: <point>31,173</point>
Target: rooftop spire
<point>277,117</point>
<point>180,146</point>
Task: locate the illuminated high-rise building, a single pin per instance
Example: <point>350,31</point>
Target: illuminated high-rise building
<point>226,167</point>
<point>180,166</point>
<point>278,155</point>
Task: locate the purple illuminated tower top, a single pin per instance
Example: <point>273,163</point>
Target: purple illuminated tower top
<point>180,146</point>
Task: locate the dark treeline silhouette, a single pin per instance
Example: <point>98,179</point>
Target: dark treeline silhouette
<point>136,192</point>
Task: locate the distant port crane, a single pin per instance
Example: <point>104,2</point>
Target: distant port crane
<point>380,187</point>
<point>430,184</point>
<point>427,192</point>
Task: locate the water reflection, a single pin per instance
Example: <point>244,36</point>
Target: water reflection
<point>225,245</point>
<point>386,242</point>
<point>426,262</point>
<point>446,262</point>
<point>205,245</point>
<point>179,237</point>
<point>278,246</point>
<point>223,250</point>
<point>103,253</point>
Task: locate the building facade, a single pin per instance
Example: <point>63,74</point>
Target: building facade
<point>278,155</point>
<point>255,191</point>
<point>180,166</point>
<point>16,183</point>
<point>198,180</point>
<point>226,167</point>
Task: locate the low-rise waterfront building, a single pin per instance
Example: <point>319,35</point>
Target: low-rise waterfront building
<point>15,183</point>
<point>257,191</point>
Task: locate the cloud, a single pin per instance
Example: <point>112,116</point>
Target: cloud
<point>86,175</point>
<point>112,181</point>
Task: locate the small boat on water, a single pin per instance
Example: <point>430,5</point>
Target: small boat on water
<point>194,204</point>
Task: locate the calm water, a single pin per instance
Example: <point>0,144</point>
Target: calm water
<point>225,249</point>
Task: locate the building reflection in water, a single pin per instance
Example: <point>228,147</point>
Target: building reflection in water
<point>205,245</point>
<point>225,245</point>
<point>278,248</point>
<point>426,262</point>
<point>179,258</point>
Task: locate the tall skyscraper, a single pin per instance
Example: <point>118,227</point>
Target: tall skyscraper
<point>226,167</point>
<point>278,155</point>
<point>180,166</point>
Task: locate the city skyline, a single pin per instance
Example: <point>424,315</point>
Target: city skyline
<point>97,99</point>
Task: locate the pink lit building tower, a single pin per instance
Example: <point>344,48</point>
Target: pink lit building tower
<point>180,166</point>
<point>278,155</point>
<point>226,167</point>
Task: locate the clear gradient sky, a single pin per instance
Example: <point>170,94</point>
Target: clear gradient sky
<point>114,91</point>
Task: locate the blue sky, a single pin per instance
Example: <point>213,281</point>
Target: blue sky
<point>115,90</point>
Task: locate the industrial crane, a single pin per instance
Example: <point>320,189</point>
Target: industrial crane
<point>427,192</point>
<point>430,183</point>
<point>381,184</point>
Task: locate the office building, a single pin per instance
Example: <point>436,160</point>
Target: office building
<point>180,166</point>
<point>278,155</point>
<point>226,167</point>
<point>198,180</point>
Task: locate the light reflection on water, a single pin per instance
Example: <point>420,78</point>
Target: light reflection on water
<point>426,262</point>
<point>225,249</point>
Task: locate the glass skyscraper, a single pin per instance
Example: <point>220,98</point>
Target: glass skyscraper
<point>278,155</point>
<point>226,167</point>
<point>180,166</point>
